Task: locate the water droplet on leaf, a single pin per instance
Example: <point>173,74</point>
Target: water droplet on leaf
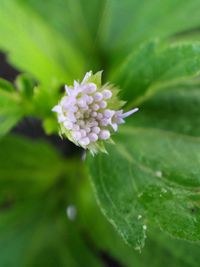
<point>71,212</point>
<point>158,174</point>
<point>145,227</point>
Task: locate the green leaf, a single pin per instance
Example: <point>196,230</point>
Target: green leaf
<point>131,22</point>
<point>36,48</point>
<point>50,126</point>
<point>186,253</point>
<point>5,85</point>
<point>34,191</point>
<point>36,235</point>
<point>154,66</point>
<point>82,32</point>
<point>25,84</point>
<point>11,110</point>
<point>159,249</point>
<point>43,101</point>
<point>176,109</point>
<point>26,164</point>
<point>154,178</point>
<point>26,99</point>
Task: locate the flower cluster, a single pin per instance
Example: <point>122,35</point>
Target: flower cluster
<point>89,112</point>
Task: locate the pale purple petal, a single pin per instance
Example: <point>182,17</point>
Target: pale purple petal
<point>114,126</point>
<point>68,90</point>
<point>130,112</point>
<point>61,118</point>
<point>57,109</point>
<point>87,76</point>
<point>76,85</point>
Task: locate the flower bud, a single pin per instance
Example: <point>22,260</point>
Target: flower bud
<point>86,115</point>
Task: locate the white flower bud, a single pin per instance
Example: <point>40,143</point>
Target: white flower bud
<point>91,88</point>
<point>68,125</point>
<point>93,137</point>
<point>87,129</point>
<point>76,127</point>
<point>94,114</point>
<point>98,96</point>
<point>108,113</point>
<point>104,134</point>
<point>83,133</point>
<point>90,100</point>
<point>78,115</point>
<point>67,102</point>
<point>86,113</point>
<point>70,116</point>
<point>81,103</point>
<point>93,124</point>
<point>84,141</point>
<point>95,107</point>
<point>99,116</point>
<point>103,104</point>
<point>81,123</point>
<point>76,135</point>
<point>96,130</point>
<point>104,122</point>
<point>107,94</point>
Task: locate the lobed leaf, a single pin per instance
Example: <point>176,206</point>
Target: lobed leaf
<point>159,250</point>
<point>154,182</point>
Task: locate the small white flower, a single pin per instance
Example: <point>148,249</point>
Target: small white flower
<point>86,114</point>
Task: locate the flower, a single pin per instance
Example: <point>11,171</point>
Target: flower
<point>90,112</point>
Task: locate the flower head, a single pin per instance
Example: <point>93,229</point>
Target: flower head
<point>90,112</point>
